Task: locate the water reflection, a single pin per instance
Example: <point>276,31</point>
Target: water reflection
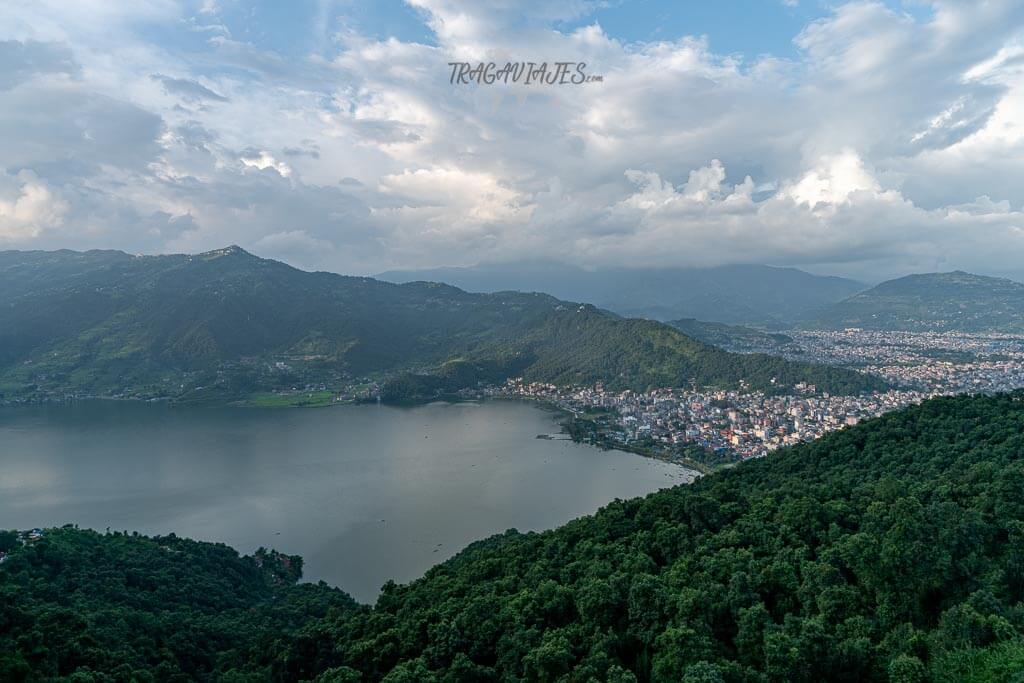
<point>363,493</point>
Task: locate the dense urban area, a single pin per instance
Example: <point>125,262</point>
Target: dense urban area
<point>715,427</point>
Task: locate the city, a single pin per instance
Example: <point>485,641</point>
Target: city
<point>716,426</point>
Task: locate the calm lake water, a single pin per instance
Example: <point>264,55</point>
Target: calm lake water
<point>363,493</point>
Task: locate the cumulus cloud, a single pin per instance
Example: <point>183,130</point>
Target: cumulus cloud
<point>890,142</point>
<point>833,181</point>
<point>836,214</point>
<point>264,160</point>
<point>28,207</point>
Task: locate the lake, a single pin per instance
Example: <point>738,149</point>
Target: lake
<point>364,493</point>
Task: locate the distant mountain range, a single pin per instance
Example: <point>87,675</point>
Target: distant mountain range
<point>931,302</point>
<point>737,294</point>
<point>224,324</point>
<point>695,299</point>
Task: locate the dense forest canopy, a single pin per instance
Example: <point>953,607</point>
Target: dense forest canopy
<point>890,551</point>
<point>123,607</point>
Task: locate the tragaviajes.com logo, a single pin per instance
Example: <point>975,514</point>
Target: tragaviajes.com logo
<point>521,73</point>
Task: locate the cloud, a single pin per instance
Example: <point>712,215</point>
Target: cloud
<point>705,182</point>
<point>190,91</point>
<point>62,132</point>
<point>309,149</point>
<point>835,214</point>
<point>28,207</point>
<point>21,61</point>
<point>890,142</point>
<point>835,179</point>
<point>263,160</point>
<point>293,245</point>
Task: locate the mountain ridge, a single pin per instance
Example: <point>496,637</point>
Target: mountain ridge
<point>733,294</point>
<point>940,302</point>
<point>225,322</point>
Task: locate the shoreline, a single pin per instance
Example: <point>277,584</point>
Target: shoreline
<point>568,418</point>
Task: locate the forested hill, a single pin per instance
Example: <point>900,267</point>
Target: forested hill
<point>87,607</point>
<point>890,551</point>
<point>226,323</point>
<point>734,337</point>
<point>931,302</point>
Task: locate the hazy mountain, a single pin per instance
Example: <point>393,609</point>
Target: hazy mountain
<point>932,301</point>
<point>750,294</point>
<point>226,323</point>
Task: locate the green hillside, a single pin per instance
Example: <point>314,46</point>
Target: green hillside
<point>931,302</point>
<point>733,337</point>
<point>891,551</point>
<point>226,324</point>
<point>82,606</point>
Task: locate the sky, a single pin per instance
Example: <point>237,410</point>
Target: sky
<point>864,139</point>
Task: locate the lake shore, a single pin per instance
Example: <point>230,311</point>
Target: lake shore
<point>569,421</point>
<point>365,493</point>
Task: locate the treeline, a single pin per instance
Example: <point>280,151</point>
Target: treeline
<point>890,551</point>
<point>452,377</point>
<point>86,606</point>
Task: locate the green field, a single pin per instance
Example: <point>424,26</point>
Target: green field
<point>303,399</point>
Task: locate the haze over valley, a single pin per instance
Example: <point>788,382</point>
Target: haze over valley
<point>750,294</point>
